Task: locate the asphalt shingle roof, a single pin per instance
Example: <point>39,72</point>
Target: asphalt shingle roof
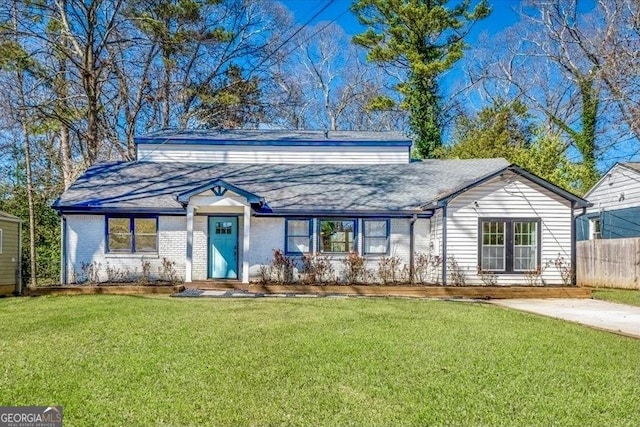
<point>187,136</point>
<point>146,185</point>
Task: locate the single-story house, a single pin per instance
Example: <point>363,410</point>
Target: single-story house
<point>218,202</point>
<point>10,254</point>
<point>615,210</point>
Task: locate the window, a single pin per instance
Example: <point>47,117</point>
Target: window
<point>376,236</point>
<point>596,228</point>
<point>509,245</point>
<point>337,235</point>
<point>224,227</point>
<point>132,234</point>
<point>298,236</point>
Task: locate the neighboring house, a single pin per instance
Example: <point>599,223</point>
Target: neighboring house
<point>615,210</point>
<point>218,202</point>
<point>10,265</point>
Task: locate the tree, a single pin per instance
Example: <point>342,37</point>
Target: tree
<point>422,38</point>
<point>504,130</point>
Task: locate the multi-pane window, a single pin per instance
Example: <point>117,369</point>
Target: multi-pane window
<point>298,236</point>
<point>525,246</point>
<point>224,227</point>
<point>132,234</point>
<point>376,236</point>
<point>337,235</point>
<point>493,246</point>
<point>509,245</point>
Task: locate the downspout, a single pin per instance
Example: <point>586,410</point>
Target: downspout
<point>19,290</point>
<point>412,245</point>
<point>574,244</point>
<point>444,243</point>
<point>63,252</point>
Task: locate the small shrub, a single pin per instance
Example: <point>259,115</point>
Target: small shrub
<point>534,277</point>
<point>425,266</point>
<point>488,278</point>
<point>456,273</point>
<point>91,272</point>
<point>116,275</point>
<point>565,269</point>
<point>317,269</point>
<point>167,271</point>
<point>146,271</point>
<point>282,267</point>
<point>355,269</point>
<point>265,274</point>
<point>389,269</point>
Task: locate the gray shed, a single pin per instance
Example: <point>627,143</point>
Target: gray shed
<point>10,250</point>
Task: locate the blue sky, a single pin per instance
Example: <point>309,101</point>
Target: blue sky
<point>503,15</point>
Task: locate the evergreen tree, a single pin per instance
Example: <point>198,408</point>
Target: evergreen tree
<point>424,38</point>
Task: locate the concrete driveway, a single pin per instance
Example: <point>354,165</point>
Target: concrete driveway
<point>619,318</point>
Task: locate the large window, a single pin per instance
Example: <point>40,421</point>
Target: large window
<point>337,235</point>
<point>298,236</point>
<point>509,245</point>
<point>132,234</point>
<point>376,236</point>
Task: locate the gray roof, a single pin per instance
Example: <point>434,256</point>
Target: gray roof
<point>4,215</point>
<point>339,188</point>
<point>632,165</point>
<point>190,136</point>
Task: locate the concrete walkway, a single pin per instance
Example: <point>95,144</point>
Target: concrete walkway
<point>619,318</point>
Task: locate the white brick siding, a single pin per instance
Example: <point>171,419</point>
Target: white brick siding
<point>86,244</point>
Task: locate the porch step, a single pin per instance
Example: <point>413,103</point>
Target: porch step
<point>218,285</point>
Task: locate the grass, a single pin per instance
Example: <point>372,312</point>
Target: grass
<point>129,360</point>
<point>623,296</point>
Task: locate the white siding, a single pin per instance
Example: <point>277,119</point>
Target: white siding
<point>275,154</point>
<point>618,189</point>
<point>519,198</point>
<point>86,244</point>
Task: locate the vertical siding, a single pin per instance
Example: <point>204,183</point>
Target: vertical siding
<point>516,199</point>
<point>9,258</point>
<point>273,155</point>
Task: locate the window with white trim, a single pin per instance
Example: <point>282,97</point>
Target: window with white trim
<point>375,236</point>
<point>595,226</point>
<point>298,232</point>
<point>509,245</point>
<point>337,235</point>
<point>132,234</point>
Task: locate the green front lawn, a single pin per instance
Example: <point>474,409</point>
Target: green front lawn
<point>135,361</point>
<point>623,296</point>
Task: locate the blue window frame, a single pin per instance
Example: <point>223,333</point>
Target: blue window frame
<point>376,236</point>
<point>131,234</point>
<point>298,235</point>
<point>337,235</point>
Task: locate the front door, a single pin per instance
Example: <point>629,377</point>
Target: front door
<point>223,247</point>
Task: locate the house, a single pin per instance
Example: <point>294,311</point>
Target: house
<point>217,203</point>
<point>615,210</point>
<point>10,250</point>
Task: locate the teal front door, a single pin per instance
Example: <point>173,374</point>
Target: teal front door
<point>223,247</point>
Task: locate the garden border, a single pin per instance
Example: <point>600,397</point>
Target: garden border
<point>104,289</point>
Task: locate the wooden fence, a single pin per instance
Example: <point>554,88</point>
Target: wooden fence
<point>609,263</point>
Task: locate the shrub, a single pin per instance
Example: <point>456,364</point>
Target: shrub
<point>167,271</point>
<point>488,278</point>
<point>282,267</point>
<point>317,269</point>
<point>425,265</point>
<point>456,273</point>
<point>146,271</point>
<point>565,269</point>
<point>90,272</point>
<point>389,269</point>
<point>355,269</point>
<point>116,275</point>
